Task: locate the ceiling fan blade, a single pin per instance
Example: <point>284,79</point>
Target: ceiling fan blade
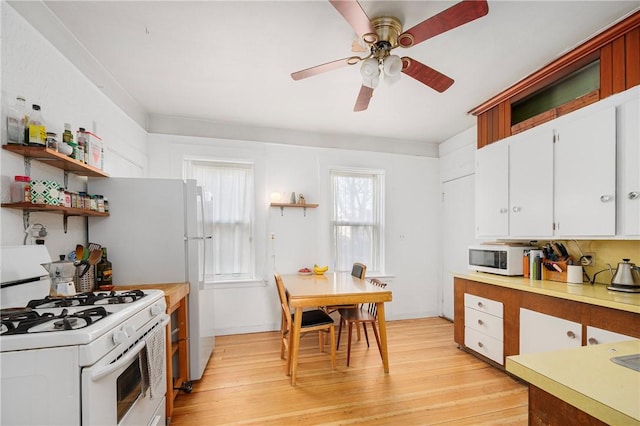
<point>426,75</point>
<point>458,14</point>
<point>362,103</point>
<point>329,66</point>
<point>352,12</point>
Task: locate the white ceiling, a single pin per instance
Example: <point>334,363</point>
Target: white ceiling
<point>229,62</point>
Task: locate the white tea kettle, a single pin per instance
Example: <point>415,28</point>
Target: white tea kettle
<point>626,277</point>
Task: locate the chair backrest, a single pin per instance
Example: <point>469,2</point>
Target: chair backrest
<point>359,270</point>
<point>284,301</point>
<point>372,307</point>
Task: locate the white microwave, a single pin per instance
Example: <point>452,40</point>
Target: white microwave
<point>497,259</point>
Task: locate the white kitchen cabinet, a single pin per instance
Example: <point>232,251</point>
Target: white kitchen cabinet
<point>531,183</point>
<point>585,174</point>
<point>628,156</point>
<point>484,327</point>
<point>492,190</point>
<point>515,186</point>
<point>542,333</point>
<point>598,336</point>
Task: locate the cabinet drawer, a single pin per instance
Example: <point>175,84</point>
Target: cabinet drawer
<point>543,333</point>
<point>484,345</point>
<point>597,336</point>
<point>483,305</point>
<point>484,323</point>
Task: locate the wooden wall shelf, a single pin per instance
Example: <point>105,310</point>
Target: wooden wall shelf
<point>294,205</point>
<point>67,211</point>
<point>56,159</point>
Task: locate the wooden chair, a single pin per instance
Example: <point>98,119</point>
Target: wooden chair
<point>358,270</point>
<point>312,320</point>
<point>366,313</point>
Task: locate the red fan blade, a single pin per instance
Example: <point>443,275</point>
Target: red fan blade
<point>426,75</point>
<point>352,12</point>
<point>456,15</point>
<point>329,66</point>
<point>362,103</point>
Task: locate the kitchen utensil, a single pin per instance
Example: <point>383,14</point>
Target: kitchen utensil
<point>79,252</point>
<point>61,274</point>
<point>94,246</point>
<point>93,258</point>
<point>626,278</point>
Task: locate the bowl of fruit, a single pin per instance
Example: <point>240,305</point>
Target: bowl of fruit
<point>305,271</point>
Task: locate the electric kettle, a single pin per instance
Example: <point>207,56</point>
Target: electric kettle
<point>626,277</point>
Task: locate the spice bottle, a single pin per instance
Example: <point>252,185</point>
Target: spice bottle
<point>15,122</point>
<point>81,140</point>
<point>37,130</point>
<point>21,189</point>
<point>67,136</point>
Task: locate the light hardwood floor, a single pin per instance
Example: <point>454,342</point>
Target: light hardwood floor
<point>431,382</point>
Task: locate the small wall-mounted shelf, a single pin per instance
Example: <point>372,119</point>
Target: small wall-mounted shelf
<point>295,205</point>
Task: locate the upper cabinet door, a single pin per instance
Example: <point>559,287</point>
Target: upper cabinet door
<point>531,183</point>
<point>628,202</point>
<point>492,190</point>
<point>585,175</point>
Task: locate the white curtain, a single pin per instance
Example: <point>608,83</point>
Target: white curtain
<point>231,187</point>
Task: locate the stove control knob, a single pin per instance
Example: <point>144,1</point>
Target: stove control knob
<point>129,330</point>
<point>156,310</point>
<point>119,336</point>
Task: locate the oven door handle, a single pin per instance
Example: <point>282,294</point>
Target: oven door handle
<point>108,369</point>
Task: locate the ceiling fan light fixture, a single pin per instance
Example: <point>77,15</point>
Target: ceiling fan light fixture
<point>371,82</point>
<point>392,65</point>
<point>370,69</point>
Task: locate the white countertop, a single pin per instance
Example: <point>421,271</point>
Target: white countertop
<point>586,378</point>
<point>596,294</point>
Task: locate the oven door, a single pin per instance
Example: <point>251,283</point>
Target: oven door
<point>128,387</point>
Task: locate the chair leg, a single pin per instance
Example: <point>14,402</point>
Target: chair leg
<point>339,333</point>
<point>375,332</point>
<point>364,327</point>
<point>321,340</point>
<point>332,334</point>
<point>349,343</point>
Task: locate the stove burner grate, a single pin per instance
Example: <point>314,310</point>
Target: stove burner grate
<point>88,299</point>
<point>33,322</point>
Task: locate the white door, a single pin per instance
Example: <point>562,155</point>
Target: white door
<point>492,190</point>
<point>628,152</point>
<point>585,175</point>
<point>458,233</point>
<point>531,183</point>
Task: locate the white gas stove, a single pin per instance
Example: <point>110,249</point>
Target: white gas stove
<point>93,358</point>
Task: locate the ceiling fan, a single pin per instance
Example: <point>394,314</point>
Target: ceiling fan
<point>380,35</point>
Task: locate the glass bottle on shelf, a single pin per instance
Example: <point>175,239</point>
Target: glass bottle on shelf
<point>104,270</point>
<point>15,122</point>
<point>37,130</point>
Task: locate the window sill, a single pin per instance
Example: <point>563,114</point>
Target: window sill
<point>235,283</point>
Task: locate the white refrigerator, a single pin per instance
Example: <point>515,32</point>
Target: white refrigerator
<point>157,232</point>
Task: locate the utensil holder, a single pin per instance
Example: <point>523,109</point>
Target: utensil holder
<point>555,275</point>
<point>87,282</point>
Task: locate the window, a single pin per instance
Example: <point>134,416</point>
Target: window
<point>230,186</point>
<point>357,219</point>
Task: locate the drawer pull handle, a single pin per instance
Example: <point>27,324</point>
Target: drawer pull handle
<point>480,305</point>
<point>633,195</point>
<point>480,322</point>
<point>480,345</point>
<point>571,334</point>
<point>604,198</point>
<point>593,341</point>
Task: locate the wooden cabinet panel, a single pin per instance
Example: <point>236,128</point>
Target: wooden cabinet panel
<point>546,409</point>
<point>618,71</point>
<point>632,46</point>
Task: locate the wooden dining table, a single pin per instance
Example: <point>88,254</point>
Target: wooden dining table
<point>306,291</point>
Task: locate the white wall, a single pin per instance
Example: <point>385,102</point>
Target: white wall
<point>32,67</point>
<point>411,234</point>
